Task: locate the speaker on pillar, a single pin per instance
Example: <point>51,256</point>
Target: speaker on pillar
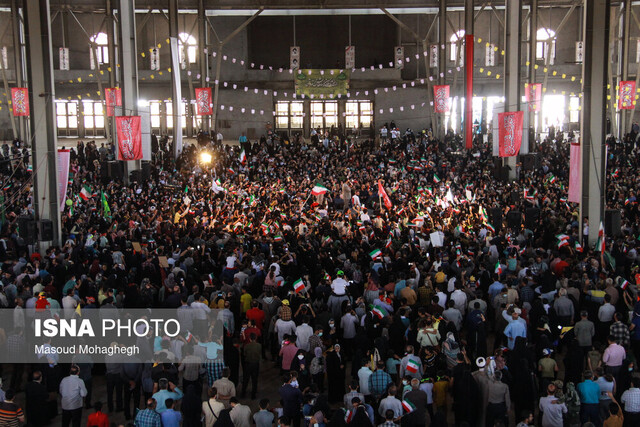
<point>530,162</point>
<point>516,196</point>
<point>116,170</point>
<point>612,223</point>
<point>146,171</point>
<point>531,217</point>
<point>104,169</point>
<point>27,229</point>
<point>514,219</point>
<point>135,176</point>
<point>495,215</point>
<point>46,230</point>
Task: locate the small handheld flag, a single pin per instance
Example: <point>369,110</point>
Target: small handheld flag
<point>318,190</point>
<point>298,286</point>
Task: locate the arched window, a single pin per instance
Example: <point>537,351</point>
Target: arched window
<point>101,42</point>
<point>456,38</point>
<point>188,49</point>
<point>546,44</point>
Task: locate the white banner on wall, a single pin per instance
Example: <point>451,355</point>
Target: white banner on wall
<point>349,57</point>
<point>64,58</point>
<point>294,57</point>
<point>154,59</point>
<point>434,56</point>
<point>579,51</point>
<point>398,55</point>
<point>490,55</point>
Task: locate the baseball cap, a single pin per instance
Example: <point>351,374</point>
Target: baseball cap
<point>285,302</point>
<point>340,273</point>
<point>546,352</point>
<point>481,362</point>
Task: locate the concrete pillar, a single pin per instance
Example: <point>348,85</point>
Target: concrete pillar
<point>533,41</point>
<point>46,205</point>
<point>175,79</point>
<point>17,28</point>
<point>442,63</point>
<point>512,89</point>
<point>203,56</point>
<point>593,121</point>
<point>128,67</point>
<point>623,61</point>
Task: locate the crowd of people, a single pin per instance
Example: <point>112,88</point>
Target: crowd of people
<point>379,277</point>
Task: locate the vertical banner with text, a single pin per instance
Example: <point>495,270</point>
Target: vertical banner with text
<point>20,101</point>
<point>113,98</point>
<point>441,99</point>
<point>626,95</point>
<point>510,133</point>
<point>468,105</point>
<point>574,173</point>
<point>349,57</point>
<point>204,101</point>
<point>129,137</point>
<point>533,95</point>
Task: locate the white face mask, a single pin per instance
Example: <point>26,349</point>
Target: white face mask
<point>301,356</point>
<point>294,383</point>
<point>405,382</point>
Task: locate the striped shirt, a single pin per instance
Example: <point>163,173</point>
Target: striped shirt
<point>10,414</point>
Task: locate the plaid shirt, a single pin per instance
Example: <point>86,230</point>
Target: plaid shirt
<point>315,341</point>
<point>378,382</point>
<point>527,294</point>
<point>388,424</point>
<point>148,418</point>
<point>620,332</point>
<point>214,371</point>
<point>631,400</point>
<point>285,312</point>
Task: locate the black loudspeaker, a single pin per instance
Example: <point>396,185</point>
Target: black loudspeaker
<point>135,176</point>
<point>495,216</point>
<point>46,230</point>
<point>116,170</point>
<point>104,169</point>
<point>146,171</point>
<point>531,217</point>
<point>612,223</point>
<point>514,219</point>
<point>530,162</point>
<point>28,229</point>
<point>515,197</point>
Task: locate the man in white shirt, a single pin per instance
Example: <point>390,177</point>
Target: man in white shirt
<point>339,285</point>
<point>303,332</point>
<point>72,393</point>
<point>552,409</point>
<point>363,376</point>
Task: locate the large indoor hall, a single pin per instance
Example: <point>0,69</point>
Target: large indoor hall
<point>319,213</point>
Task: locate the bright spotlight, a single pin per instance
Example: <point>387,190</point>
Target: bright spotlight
<point>205,157</point>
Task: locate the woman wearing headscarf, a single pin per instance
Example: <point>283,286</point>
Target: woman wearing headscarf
<point>318,368</point>
<point>450,349</point>
<point>521,365</point>
<point>372,291</point>
<point>191,407</point>
<point>301,366</point>
<point>573,363</point>
<point>335,374</point>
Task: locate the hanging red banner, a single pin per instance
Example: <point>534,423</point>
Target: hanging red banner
<point>626,95</point>
<point>441,99</point>
<point>575,159</point>
<point>113,96</point>
<point>20,101</point>
<point>468,105</point>
<point>203,101</point>
<point>510,133</point>
<point>129,137</point>
<point>533,96</point>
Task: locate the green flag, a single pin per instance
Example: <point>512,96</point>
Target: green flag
<point>106,211</point>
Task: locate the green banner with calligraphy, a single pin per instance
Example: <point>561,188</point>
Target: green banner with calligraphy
<point>318,83</point>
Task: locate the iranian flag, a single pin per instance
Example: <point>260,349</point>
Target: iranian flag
<point>376,253</point>
<point>210,278</point>
<point>279,282</point>
<point>601,244</point>
<point>388,244</point>
<point>278,238</point>
<point>562,243</point>
<point>490,228</point>
<point>408,406</point>
<point>562,237</point>
<point>231,171</point>
<point>188,337</point>
<point>578,247</point>
<point>318,190</point>
<point>385,197</point>
<point>85,193</point>
<point>436,179</point>
<point>498,268</point>
<point>379,312</point>
<point>624,284</point>
<point>298,286</point>
<point>413,366</point>
<point>243,157</point>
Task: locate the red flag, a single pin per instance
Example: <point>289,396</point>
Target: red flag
<point>113,96</point>
<point>129,138</point>
<point>469,42</point>
<point>626,95</point>
<point>385,197</point>
<point>441,98</point>
<point>533,95</point>
<point>203,101</point>
<point>20,101</point>
<point>574,173</point>
<point>510,133</point>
